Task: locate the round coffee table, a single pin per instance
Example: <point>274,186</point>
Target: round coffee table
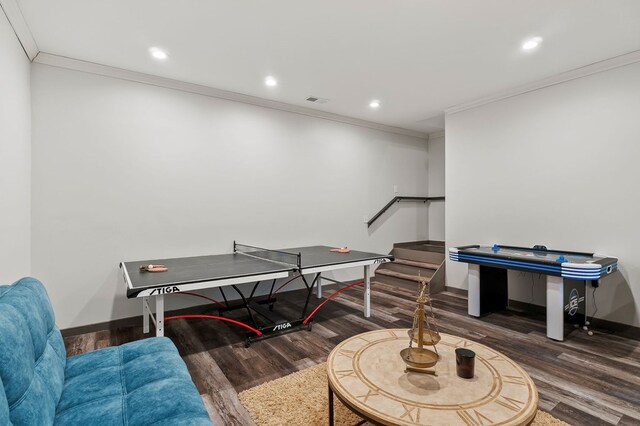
<point>367,374</point>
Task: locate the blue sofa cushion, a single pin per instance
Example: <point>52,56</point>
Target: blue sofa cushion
<point>138,383</point>
<point>32,353</point>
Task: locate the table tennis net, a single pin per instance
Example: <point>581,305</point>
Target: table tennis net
<point>277,256</point>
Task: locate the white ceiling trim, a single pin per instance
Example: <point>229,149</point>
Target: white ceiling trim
<point>138,77</point>
<point>594,68</point>
<point>436,135</point>
<point>20,27</point>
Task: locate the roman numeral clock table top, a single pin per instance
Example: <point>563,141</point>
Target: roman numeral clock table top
<point>368,375</point>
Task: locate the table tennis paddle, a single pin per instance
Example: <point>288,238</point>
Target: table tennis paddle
<point>341,250</point>
<point>153,268</point>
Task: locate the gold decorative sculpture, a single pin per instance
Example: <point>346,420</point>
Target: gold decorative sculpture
<point>424,332</point>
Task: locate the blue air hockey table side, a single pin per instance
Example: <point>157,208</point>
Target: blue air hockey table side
<point>565,271</point>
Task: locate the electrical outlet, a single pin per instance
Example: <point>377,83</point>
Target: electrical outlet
<point>365,218</point>
<point>395,189</point>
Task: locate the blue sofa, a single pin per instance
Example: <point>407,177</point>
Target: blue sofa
<point>139,383</point>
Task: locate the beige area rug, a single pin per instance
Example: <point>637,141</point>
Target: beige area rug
<point>300,399</point>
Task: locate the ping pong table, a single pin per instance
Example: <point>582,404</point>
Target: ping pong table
<point>247,264</point>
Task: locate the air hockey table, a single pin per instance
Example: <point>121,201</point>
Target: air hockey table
<point>568,274</point>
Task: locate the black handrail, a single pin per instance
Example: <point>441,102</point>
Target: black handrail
<point>397,200</point>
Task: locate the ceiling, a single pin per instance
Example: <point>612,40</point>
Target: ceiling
<point>417,57</point>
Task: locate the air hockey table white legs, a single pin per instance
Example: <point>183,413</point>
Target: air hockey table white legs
<point>555,308</point>
<point>555,301</point>
<point>473,305</point>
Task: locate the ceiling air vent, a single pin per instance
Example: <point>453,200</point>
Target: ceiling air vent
<point>317,100</point>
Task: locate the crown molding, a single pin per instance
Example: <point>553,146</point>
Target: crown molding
<point>168,83</point>
<point>587,70</point>
<point>20,27</point>
<point>436,135</point>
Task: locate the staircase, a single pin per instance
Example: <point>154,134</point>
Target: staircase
<point>414,260</point>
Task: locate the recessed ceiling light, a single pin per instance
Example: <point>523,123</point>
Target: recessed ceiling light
<point>158,53</point>
<point>532,43</point>
<point>270,81</point>
<point>374,103</point>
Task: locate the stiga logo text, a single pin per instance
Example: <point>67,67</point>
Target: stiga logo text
<point>280,327</point>
<point>164,290</point>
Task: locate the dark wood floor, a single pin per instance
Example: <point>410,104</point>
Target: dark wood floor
<point>585,380</point>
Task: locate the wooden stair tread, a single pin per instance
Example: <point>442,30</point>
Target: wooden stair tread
<point>418,255</point>
<point>401,275</point>
<point>408,269</point>
<point>417,264</point>
<point>419,243</point>
<point>424,247</point>
<point>395,282</point>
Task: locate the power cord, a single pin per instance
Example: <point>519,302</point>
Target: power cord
<point>595,305</point>
<point>595,311</point>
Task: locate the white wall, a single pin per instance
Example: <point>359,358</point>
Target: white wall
<point>436,171</point>
<point>126,171</point>
<point>15,153</point>
<point>559,167</point>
